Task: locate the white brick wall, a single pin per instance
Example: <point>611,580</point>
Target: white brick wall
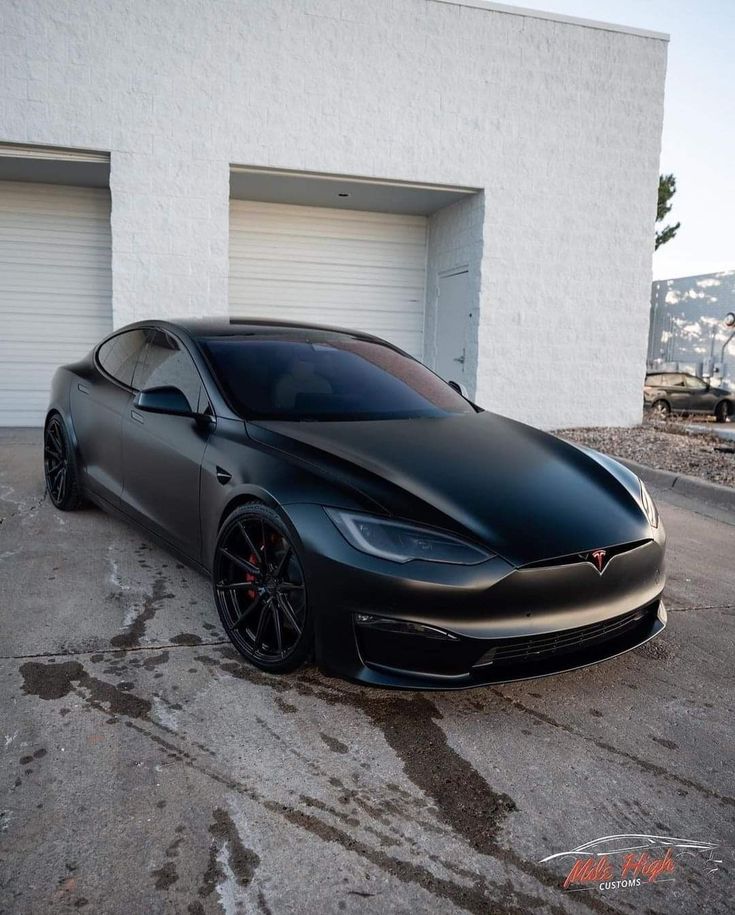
<point>558,123</point>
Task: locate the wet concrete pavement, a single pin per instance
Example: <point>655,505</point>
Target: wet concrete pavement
<point>146,769</point>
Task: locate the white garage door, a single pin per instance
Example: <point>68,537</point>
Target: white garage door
<point>55,288</point>
<point>324,266</point>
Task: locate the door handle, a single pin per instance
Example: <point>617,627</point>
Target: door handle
<point>83,388</point>
<point>138,417</point>
<point>460,359</point>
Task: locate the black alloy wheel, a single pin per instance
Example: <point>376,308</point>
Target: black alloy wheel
<point>60,467</point>
<point>260,590</point>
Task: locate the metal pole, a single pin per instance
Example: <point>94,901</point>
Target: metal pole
<point>724,347</point>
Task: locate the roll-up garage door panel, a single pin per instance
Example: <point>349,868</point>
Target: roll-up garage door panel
<point>55,288</point>
<point>348,268</point>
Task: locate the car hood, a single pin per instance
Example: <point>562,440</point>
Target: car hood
<point>526,494</point>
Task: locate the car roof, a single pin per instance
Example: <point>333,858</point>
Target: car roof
<point>237,327</point>
<point>670,372</point>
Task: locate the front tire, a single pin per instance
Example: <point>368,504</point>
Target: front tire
<point>260,590</point>
<point>661,409</point>
<point>60,466</point>
<point>722,411</point>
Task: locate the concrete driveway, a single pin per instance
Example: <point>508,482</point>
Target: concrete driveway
<point>146,769</point>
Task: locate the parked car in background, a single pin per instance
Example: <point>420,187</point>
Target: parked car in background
<point>679,392</point>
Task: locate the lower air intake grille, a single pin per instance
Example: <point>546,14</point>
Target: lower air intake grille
<point>550,645</point>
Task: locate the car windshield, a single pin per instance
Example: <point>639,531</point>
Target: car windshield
<point>326,376</point>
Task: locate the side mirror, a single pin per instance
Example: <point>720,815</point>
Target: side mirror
<point>459,388</point>
<point>167,399</point>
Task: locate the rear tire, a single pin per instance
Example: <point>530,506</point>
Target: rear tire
<point>60,466</point>
<point>260,590</point>
<point>722,411</point>
<point>661,409</point>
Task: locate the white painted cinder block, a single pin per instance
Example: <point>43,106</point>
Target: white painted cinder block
<point>557,123</point>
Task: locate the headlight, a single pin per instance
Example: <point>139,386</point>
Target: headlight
<point>648,505</point>
<point>401,542</point>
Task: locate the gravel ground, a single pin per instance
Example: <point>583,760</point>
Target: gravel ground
<point>665,446</point>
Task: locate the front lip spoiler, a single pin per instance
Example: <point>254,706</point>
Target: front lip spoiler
<point>395,678</point>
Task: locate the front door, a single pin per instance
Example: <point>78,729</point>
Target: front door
<point>162,455</point>
<point>700,399</point>
<point>453,319</point>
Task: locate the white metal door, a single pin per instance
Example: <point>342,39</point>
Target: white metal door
<point>451,326</point>
<point>326,266</point>
<point>55,288</point>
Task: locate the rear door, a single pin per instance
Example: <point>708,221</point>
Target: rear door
<point>652,387</point>
<point>98,403</point>
<point>163,454</point>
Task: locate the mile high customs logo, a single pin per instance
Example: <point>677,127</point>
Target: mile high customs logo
<point>628,861</point>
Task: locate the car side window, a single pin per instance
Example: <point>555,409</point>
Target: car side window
<point>675,381</point>
<point>654,381</point>
<point>118,356</point>
<point>695,383</point>
<point>166,364</point>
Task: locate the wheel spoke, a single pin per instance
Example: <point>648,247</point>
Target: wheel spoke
<point>242,563</point>
<point>246,612</point>
<point>264,535</point>
<point>283,562</point>
<point>261,626</point>
<point>290,586</point>
<point>289,614</point>
<point>277,626</point>
<point>56,436</point>
<point>249,542</point>
<point>235,586</point>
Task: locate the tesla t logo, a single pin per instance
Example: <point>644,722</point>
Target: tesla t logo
<point>598,558</point>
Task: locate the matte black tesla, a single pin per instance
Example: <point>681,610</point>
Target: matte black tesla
<point>351,505</point>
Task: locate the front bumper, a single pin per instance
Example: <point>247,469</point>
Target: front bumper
<point>476,662</point>
<point>506,623</point>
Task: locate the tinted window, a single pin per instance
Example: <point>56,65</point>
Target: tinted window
<point>164,363</point>
<point>327,376</point>
<point>119,354</point>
